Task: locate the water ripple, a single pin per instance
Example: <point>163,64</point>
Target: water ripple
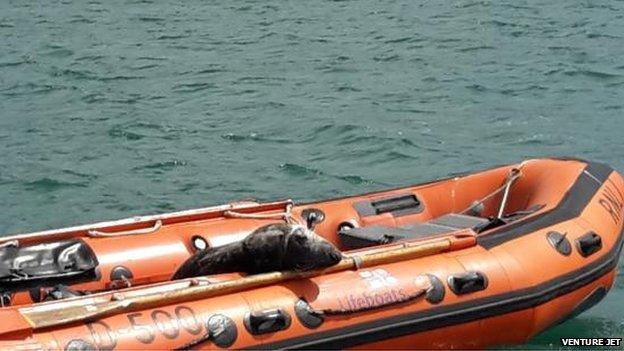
<point>192,87</point>
<point>301,171</point>
<point>592,74</point>
<point>49,184</point>
<point>162,166</point>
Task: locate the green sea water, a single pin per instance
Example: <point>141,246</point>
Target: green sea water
<point>117,108</point>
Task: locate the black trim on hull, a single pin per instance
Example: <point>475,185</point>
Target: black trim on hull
<point>571,206</point>
<point>460,313</point>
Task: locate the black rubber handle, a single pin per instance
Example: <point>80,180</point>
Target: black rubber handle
<point>467,282</point>
<point>395,204</point>
<point>589,244</point>
<point>267,321</point>
<point>312,216</point>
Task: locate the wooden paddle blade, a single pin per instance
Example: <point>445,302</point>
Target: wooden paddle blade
<point>43,318</point>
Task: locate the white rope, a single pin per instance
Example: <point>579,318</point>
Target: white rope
<point>100,234</point>
<point>357,261</point>
<point>479,202</point>
<point>287,215</point>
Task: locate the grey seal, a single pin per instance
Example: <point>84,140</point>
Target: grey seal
<point>273,247</point>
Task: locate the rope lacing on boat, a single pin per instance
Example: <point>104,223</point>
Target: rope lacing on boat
<point>287,215</point>
<point>512,176</point>
<point>99,234</point>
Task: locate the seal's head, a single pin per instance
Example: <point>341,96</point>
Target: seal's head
<point>306,250</point>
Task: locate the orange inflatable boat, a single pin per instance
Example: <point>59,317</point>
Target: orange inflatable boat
<point>476,260</point>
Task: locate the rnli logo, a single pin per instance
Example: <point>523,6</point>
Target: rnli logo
<point>378,278</point>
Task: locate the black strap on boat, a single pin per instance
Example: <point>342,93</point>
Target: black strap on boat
<point>5,298</point>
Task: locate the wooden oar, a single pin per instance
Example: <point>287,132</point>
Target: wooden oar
<point>46,316</point>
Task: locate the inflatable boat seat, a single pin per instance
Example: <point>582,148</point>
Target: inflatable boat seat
<point>355,238</point>
<point>46,264</point>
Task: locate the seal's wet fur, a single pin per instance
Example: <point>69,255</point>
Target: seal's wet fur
<point>274,247</point>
